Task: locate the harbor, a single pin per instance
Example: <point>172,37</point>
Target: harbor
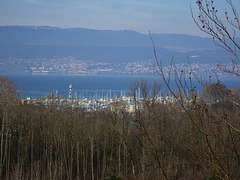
<point>98,99</point>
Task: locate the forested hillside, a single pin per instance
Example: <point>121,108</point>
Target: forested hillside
<point>104,45</point>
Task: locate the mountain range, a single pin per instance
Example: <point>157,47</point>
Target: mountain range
<point>105,45</point>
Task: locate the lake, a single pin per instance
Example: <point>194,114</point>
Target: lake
<point>39,86</point>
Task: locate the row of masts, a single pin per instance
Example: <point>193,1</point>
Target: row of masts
<point>98,94</point>
<point>106,94</point>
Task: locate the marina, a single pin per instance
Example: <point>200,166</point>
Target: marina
<point>98,100</point>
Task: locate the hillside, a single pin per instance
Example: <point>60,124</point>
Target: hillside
<point>103,45</point>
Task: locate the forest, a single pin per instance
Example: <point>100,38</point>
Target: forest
<point>196,136</point>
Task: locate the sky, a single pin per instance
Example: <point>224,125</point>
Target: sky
<point>157,16</point>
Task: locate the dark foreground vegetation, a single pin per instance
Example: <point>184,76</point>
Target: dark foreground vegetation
<point>192,137</point>
<point>157,141</point>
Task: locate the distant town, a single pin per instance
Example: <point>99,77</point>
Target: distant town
<point>73,66</point>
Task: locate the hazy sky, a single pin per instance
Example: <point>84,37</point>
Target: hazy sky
<point>158,16</point>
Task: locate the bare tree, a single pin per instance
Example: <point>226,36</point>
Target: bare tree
<point>223,31</point>
<point>9,106</point>
<point>214,130</point>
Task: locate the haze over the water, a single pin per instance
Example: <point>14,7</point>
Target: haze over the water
<point>158,16</point>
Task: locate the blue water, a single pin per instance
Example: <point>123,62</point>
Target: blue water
<point>40,86</point>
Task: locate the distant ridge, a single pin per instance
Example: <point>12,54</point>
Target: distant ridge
<point>48,35</point>
<point>104,45</point>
